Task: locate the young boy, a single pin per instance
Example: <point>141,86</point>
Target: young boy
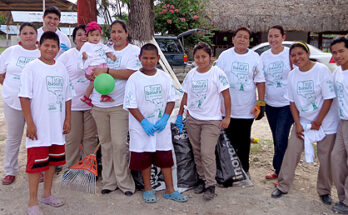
<point>51,19</point>
<point>150,98</point>
<point>45,97</point>
<point>339,49</point>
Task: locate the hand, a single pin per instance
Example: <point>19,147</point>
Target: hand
<point>179,123</point>
<point>299,131</point>
<point>148,127</point>
<point>84,56</point>
<point>259,109</point>
<point>113,57</point>
<point>31,131</point>
<point>161,123</point>
<point>315,125</point>
<point>66,126</point>
<point>225,123</point>
<point>98,71</point>
<point>64,47</point>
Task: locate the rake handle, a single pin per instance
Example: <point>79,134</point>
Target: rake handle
<point>96,148</point>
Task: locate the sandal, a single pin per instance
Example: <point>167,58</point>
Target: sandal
<point>86,100</point>
<point>52,201</point>
<point>106,98</point>
<point>176,196</point>
<point>149,197</point>
<point>271,176</point>
<point>34,210</point>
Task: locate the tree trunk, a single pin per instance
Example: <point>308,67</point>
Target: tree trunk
<point>141,19</point>
<point>86,11</point>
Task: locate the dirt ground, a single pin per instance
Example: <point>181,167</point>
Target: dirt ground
<point>302,198</point>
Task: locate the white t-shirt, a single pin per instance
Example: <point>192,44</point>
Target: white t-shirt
<point>96,53</point>
<point>276,68</point>
<point>150,94</point>
<point>127,58</point>
<point>341,87</point>
<point>12,62</point>
<point>47,87</point>
<point>71,60</point>
<point>204,93</point>
<point>62,39</point>
<point>243,72</point>
<point>308,90</point>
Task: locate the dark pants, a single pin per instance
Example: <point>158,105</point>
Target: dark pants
<point>280,120</point>
<point>239,132</point>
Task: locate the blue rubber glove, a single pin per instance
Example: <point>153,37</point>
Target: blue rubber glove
<point>148,127</point>
<point>179,123</point>
<point>161,123</point>
<point>64,47</point>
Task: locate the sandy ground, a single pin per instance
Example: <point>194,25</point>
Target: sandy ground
<point>256,200</point>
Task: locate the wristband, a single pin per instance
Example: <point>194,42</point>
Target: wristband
<point>107,70</point>
<point>316,124</point>
<point>260,103</point>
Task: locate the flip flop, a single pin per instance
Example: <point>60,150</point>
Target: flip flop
<point>176,196</point>
<point>106,98</point>
<point>86,100</point>
<point>34,210</point>
<point>149,197</point>
<point>52,201</point>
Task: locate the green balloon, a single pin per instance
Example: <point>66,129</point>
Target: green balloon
<point>104,84</point>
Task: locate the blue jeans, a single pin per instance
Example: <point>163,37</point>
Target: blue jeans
<point>280,120</point>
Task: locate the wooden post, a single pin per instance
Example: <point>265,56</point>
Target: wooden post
<point>86,11</point>
<point>320,41</point>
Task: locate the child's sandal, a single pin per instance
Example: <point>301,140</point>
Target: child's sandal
<point>149,197</point>
<point>176,196</point>
<point>34,210</point>
<point>86,100</point>
<point>106,98</point>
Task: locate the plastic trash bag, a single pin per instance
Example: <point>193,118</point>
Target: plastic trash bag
<point>228,166</point>
<point>186,168</point>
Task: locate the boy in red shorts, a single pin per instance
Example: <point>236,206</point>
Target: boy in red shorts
<point>45,96</point>
<point>150,98</point>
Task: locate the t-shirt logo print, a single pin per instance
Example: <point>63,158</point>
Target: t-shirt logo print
<point>54,85</point>
<point>240,71</point>
<point>114,64</point>
<point>340,97</point>
<point>153,94</point>
<point>275,71</point>
<point>306,90</point>
<point>199,88</point>
<point>22,61</point>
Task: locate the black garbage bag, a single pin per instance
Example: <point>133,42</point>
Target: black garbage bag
<point>186,168</point>
<point>156,179</point>
<point>228,166</point>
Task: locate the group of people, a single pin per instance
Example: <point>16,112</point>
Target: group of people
<point>49,86</point>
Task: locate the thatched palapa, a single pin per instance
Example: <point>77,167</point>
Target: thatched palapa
<point>295,15</point>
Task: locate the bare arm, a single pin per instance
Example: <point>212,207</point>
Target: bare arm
<point>2,78</point>
<point>227,102</point>
<point>182,104</point>
<point>296,116</point>
<point>121,74</point>
<point>169,107</point>
<point>136,113</point>
<point>67,121</point>
<point>31,128</point>
<point>261,90</point>
<point>323,111</point>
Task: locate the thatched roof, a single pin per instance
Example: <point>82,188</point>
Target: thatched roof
<point>293,15</point>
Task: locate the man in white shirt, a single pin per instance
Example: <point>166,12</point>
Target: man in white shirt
<point>339,49</point>
<point>51,19</point>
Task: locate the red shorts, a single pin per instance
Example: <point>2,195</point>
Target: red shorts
<point>142,160</point>
<point>40,158</point>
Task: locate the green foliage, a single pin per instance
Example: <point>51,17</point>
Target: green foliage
<point>3,18</point>
<point>177,16</point>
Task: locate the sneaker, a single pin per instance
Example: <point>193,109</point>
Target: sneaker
<point>209,193</point>
<point>340,208</point>
<point>326,199</point>
<point>200,187</point>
